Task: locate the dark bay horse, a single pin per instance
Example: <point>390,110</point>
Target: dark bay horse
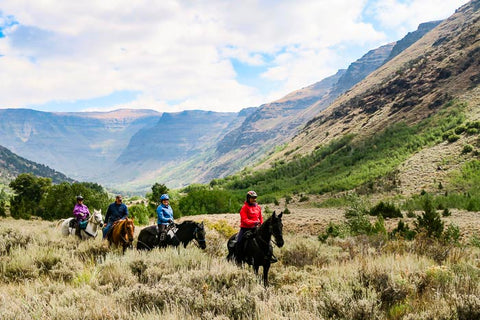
<point>257,249</point>
<point>177,233</point>
<point>122,233</point>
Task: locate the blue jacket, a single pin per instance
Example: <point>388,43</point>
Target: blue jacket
<point>164,214</point>
<point>116,212</point>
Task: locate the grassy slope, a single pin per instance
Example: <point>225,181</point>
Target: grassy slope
<point>350,162</point>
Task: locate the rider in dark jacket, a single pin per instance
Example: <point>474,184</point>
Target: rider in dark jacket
<point>116,211</point>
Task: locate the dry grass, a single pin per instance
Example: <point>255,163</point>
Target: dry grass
<point>46,276</point>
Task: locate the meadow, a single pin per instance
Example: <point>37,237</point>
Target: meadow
<point>46,276</point>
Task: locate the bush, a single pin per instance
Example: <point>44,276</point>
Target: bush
<point>472,131</point>
<point>453,137</point>
<point>304,198</point>
<point>460,129</point>
<point>430,220</point>
<point>386,210</point>
<point>203,201</point>
<point>140,213</point>
<point>333,230</point>
<point>223,228</point>
<point>446,213</point>
<point>403,231</point>
<point>467,149</point>
<point>3,211</point>
<point>451,234</point>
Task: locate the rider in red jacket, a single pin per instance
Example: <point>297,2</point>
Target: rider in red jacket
<point>250,218</point>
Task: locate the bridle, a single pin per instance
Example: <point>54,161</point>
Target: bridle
<point>196,236</point>
<point>124,229</point>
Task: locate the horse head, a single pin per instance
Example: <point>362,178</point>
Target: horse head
<point>199,235</point>
<point>129,229</point>
<point>97,218</point>
<point>276,228</point>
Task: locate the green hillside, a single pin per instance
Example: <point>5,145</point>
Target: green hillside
<point>367,165</point>
<point>11,165</point>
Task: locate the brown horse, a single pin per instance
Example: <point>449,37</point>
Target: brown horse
<point>122,233</point>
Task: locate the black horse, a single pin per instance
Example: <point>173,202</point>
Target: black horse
<point>257,250</point>
<point>176,234</point>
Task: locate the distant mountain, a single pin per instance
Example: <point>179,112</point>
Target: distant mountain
<point>11,165</point>
<point>176,136</point>
<point>389,128</point>
<point>412,37</point>
<point>83,145</point>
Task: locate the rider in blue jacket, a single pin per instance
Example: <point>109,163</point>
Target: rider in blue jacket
<point>165,216</point>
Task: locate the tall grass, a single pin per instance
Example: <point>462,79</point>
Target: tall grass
<point>46,276</point>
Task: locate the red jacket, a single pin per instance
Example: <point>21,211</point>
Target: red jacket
<point>250,216</point>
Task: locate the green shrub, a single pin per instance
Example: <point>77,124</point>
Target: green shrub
<point>140,213</point>
<point>460,129</point>
<point>223,228</point>
<point>430,220</point>
<point>333,230</point>
<point>446,213</point>
<point>386,210</point>
<point>203,201</point>
<point>453,137</point>
<point>467,148</point>
<point>451,234</point>
<point>402,231</point>
<point>304,198</point>
<point>472,131</point>
<point>473,124</point>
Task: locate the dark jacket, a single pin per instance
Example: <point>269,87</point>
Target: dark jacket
<point>116,212</point>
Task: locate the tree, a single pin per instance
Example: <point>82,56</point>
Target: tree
<point>154,198</point>
<point>29,191</point>
<point>430,220</point>
<point>3,203</point>
<point>60,199</point>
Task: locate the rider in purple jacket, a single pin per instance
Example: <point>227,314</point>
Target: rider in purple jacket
<point>81,213</point>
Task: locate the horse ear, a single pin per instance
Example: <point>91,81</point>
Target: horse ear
<point>280,215</point>
<point>202,224</point>
<point>274,214</point>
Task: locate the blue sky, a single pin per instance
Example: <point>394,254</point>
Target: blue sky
<point>176,55</point>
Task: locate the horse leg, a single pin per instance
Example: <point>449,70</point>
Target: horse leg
<point>255,269</point>
<point>266,267</point>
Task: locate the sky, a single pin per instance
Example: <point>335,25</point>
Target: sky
<point>170,55</point>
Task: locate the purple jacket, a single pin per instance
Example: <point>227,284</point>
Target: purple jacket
<point>80,212</point>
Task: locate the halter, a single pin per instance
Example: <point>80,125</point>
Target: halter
<point>93,220</point>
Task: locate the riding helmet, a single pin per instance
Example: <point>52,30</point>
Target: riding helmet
<point>251,194</point>
<point>164,197</point>
<point>79,198</point>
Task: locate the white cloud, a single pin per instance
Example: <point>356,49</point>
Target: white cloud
<point>408,14</point>
<point>179,50</point>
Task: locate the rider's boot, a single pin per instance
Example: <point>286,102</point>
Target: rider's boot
<point>162,234</point>
<point>77,230</point>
